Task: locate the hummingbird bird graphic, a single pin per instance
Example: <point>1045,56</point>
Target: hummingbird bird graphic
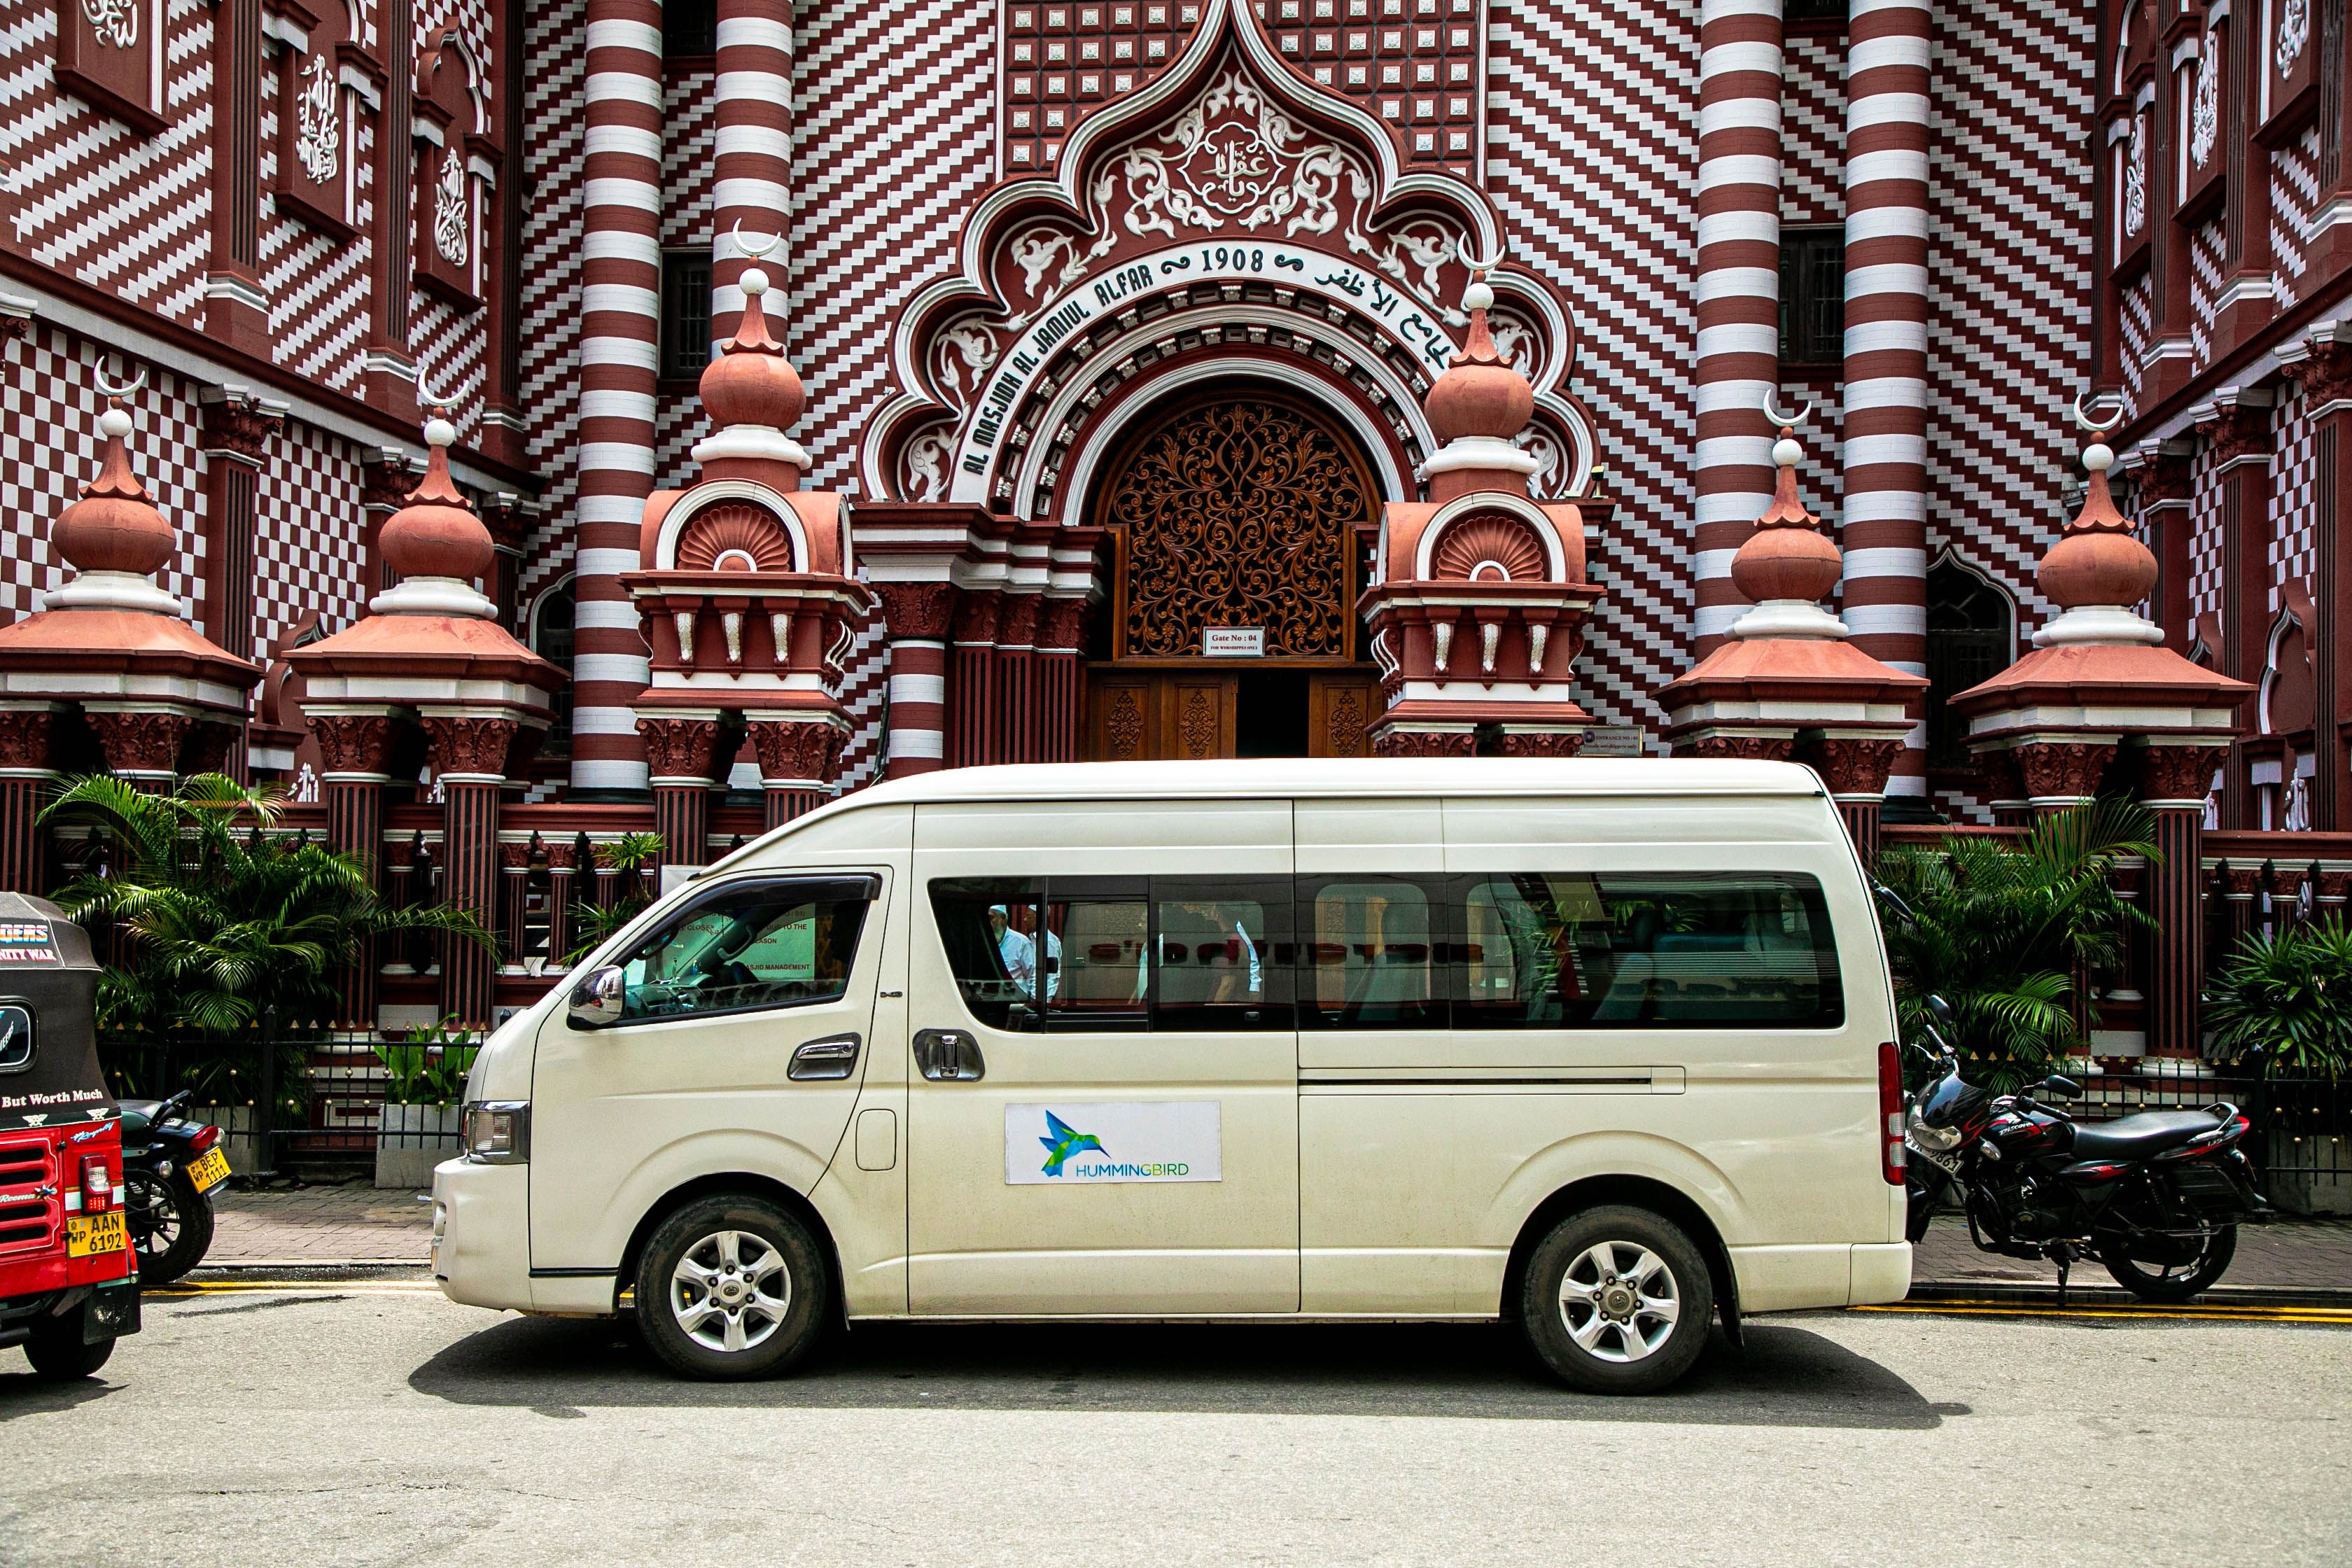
<point>1064,1141</point>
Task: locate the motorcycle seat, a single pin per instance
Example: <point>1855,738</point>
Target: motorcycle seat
<point>2138,1137</point>
<point>138,1118</point>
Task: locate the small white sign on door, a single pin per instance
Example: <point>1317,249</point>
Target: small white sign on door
<point>1078,1143</point>
<point>1232,642</point>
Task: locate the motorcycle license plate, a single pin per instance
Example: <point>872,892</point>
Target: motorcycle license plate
<point>208,1169</point>
<point>90,1234</point>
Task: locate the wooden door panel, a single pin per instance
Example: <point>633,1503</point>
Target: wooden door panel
<point>1197,716</point>
<point>1339,709</point>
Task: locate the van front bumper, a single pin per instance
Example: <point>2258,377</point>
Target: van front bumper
<point>481,1234</point>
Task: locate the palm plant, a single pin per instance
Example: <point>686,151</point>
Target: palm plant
<point>2287,1000</point>
<point>628,853</point>
<point>217,920</point>
<point>2003,932</point>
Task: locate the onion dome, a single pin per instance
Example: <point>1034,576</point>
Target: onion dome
<point>113,536</point>
<point>2098,569</point>
<point>751,381</point>
<point>1788,556</point>
<point>435,542</point>
<point>1478,394</point>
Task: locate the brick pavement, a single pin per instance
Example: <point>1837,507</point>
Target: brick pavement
<point>358,1223</point>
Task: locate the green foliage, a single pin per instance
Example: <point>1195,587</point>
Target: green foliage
<point>428,1065</point>
<point>2287,1000</point>
<point>215,920</point>
<point>2003,931</point>
<point>630,855</point>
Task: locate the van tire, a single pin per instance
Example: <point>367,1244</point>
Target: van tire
<point>1642,1351</point>
<point>766,1248</point>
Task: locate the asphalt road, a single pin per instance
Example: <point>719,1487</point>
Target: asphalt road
<point>374,1423</point>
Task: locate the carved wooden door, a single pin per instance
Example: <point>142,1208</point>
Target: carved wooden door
<point>1160,715</point>
<point>1340,707</point>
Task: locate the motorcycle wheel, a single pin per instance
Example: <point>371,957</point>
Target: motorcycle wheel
<point>2167,1268</point>
<point>170,1225</point>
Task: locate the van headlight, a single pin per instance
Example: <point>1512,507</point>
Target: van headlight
<point>498,1131</point>
<point>1932,1139</point>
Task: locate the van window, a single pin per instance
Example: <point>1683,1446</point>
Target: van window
<point>1115,955</point>
<point>1661,950</point>
<point>750,946</point>
<point>1368,951</point>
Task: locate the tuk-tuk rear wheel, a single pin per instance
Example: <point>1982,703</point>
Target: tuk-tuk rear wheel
<point>58,1353</point>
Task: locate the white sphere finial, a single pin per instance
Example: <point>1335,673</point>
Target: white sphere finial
<point>439,432</point>
<point>115,423</point>
<point>754,282</point>
<point>1786,452</point>
<point>2098,457</point>
<point>1478,296</point>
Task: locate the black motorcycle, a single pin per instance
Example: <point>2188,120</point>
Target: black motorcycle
<point>2157,1198</point>
<point>170,1167</point>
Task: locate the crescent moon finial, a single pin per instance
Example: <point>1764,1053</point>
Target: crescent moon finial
<point>745,247</point>
<point>110,389</point>
<point>429,397</point>
<point>2084,421</point>
<point>1478,265</point>
<point>1786,421</point>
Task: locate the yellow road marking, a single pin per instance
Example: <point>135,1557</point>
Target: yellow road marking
<point>2329,1316</point>
<point>294,1287</point>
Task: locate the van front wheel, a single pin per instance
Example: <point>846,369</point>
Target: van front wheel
<point>731,1286</point>
<point>1617,1300</point>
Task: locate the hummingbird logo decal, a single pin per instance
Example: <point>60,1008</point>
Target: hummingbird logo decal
<point>1061,1140</point>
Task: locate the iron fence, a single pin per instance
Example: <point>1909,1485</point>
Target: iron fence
<point>2302,1135</point>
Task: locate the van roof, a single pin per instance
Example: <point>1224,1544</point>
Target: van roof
<point>1313,776</point>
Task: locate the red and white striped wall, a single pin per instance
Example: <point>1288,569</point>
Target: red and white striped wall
<point>1738,291</point>
<point>1885,370</point>
<point>620,310</point>
<point>754,147</point>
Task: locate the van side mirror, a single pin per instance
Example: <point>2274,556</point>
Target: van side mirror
<point>597,999</point>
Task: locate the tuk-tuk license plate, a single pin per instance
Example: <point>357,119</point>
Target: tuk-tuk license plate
<point>90,1234</point>
<point>208,1169</point>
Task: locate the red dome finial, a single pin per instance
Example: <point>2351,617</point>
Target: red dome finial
<point>1478,396</point>
<point>751,381</point>
<point>1786,557</point>
<point>2099,560</point>
<point>435,537</point>
<point>115,526</point>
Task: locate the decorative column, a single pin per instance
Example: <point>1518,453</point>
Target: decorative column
<point>470,756</point>
<point>2240,430</point>
<point>2321,365</point>
<point>914,616</point>
<point>1856,769</point>
<point>1737,288</point>
<point>974,735</point>
<point>2165,490</point>
<point>1016,681</point>
<point>619,351</point>
<point>2061,774</point>
<point>560,897</point>
<point>753,147</point>
<point>237,434</point>
<point>796,765</point>
<point>237,311</point>
<point>1061,629</point>
<point>2005,791</point>
<point>28,737</point>
<point>388,369</point>
<point>141,744</point>
<point>681,748</point>
<point>1884,499</point>
<point>355,757</point>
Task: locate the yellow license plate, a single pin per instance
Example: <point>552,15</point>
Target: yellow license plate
<point>89,1234</point>
<point>208,1169</point>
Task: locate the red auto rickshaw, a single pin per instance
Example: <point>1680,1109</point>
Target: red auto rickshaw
<point>69,1278</point>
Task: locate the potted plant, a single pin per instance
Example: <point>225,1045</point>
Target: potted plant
<point>2282,1007</point>
<point>423,1096</point>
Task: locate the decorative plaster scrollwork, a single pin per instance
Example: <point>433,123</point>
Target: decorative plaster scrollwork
<point>452,224</point>
<point>116,22</point>
<point>962,355</point>
<point>318,129</point>
<point>926,460</point>
<point>1515,339</point>
<point>2205,107</point>
<point>1037,249</point>
<point>2293,31</point>
<point>2135,182</point>
<point>1234,157</point>
<point>1551,481</point>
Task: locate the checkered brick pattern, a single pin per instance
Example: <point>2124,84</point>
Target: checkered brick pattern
<point>864,693</point>
<point>2293,547</point>
<point>555,111</point>
<point>690,155</point>
<point>2137,316</point>
<point>1812,130</point>
<point>2204,534</point>
<point>307,543</point>
<point>317,282</point>
<point>2205,246</point>
<point>450,344</point>
<point>1963,807</point>
<point>2008,325</point>
<point>1633,73</point>
<point>895,137</point>
<point>96,200</point>
<point>2294,196</point>
<point>49,448</point>
<point>678,423</point>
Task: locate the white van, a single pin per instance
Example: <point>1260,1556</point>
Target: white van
<point>1602,1046</point>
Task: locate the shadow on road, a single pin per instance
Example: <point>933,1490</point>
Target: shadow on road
<point>1787,1376</point>
<point>22,1394</point>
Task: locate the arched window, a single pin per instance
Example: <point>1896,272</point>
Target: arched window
<point>1971,628</point>
<point>551,621</point>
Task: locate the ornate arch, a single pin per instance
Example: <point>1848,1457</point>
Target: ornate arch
<point>1230,193</point>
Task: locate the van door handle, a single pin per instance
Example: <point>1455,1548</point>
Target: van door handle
<point>834,1056</point>
<point>949,1056</point>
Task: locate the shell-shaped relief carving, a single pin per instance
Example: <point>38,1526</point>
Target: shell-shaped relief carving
<point>1489,550</point>
<point>735,536</point>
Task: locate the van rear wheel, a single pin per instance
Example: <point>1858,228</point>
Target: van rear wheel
<point>731,1288</point>
<point>1616,1300</point>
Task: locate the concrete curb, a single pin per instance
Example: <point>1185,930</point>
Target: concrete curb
<point>2038,1295</point>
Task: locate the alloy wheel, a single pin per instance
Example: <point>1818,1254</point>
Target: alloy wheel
<point>730,1290</point>
<point>1620,1301</point>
